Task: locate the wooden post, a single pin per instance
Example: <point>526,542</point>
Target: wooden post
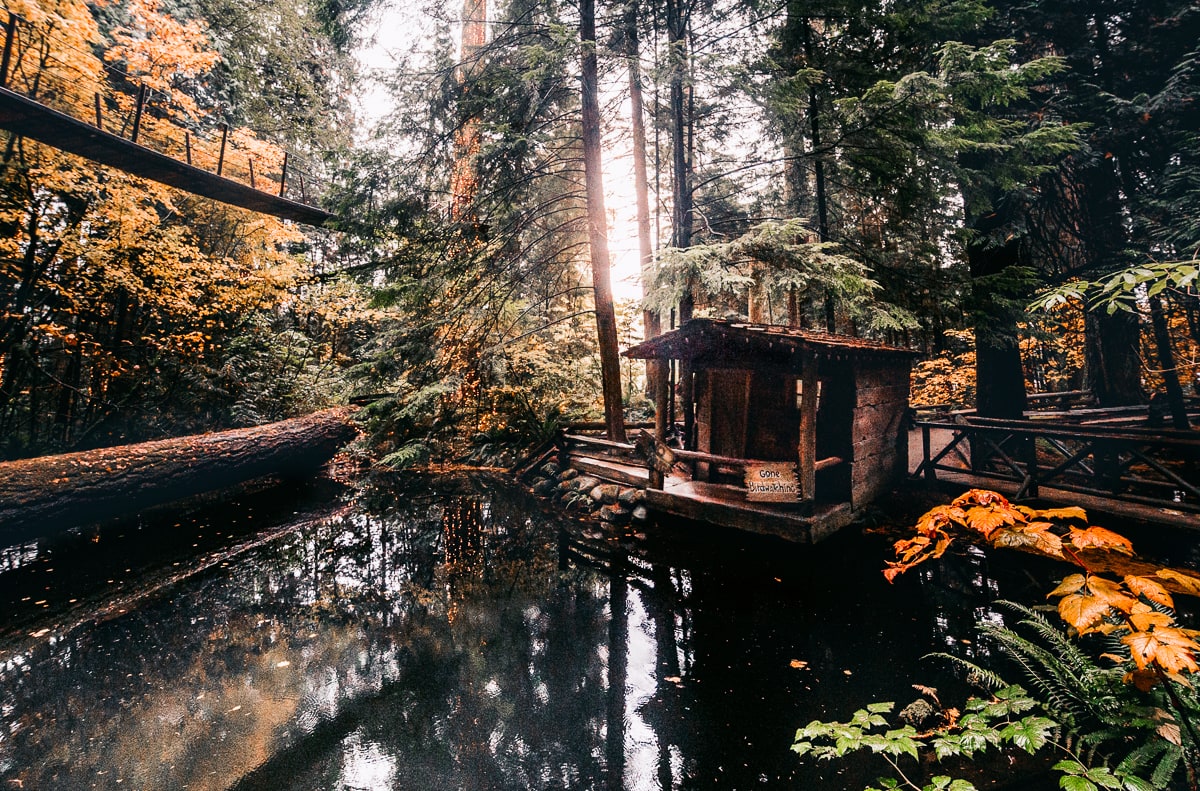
<point>283,175</point>
<point>807,446</point>
<point>251,161</point>
<point>927,462</point>
<point>99,113</point>
<point>221,156</point>
<point>137,113</point>
<point>10,33</point>
<point>661,407</point>
<point>187,146</point>
<point>303,196</point>
<point>1029,487</point>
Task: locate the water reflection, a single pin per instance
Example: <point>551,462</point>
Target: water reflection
<point>459,639</point>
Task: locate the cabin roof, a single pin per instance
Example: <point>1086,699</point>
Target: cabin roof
<point>739,344</point>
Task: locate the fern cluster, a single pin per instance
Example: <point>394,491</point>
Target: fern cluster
<point>1104,721</point>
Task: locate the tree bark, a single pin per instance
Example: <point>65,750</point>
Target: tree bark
<point>652,326</point>
<point>999,376</point>
<point>1114,373</point>
<point>606,321</point>
<point>1166,362</point>
<point>678,20</point>
<point>42,494</point>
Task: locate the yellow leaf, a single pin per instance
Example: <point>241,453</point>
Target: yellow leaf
<point>1069,584</point>
<point>1144,621</point>
<point>1144,586</point>
<point>1184,583</point>
<point>1082,611</point>
<point>1099,538</point>
<point>1070,512</point>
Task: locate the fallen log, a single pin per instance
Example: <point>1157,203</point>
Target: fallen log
<point>40,495</point>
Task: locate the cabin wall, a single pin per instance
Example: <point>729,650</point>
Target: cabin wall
<point>879,438</point>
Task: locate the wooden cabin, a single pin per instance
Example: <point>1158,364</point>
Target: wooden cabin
<point>833,406</point>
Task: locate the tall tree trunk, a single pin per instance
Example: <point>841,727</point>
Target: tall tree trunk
<point>814,122</point>
<point>1111,344</point>
<point>999,376</point>
<point>1166,362</point>
<point>606,321</point>
<point>463,177</point>
<point>1111,341</point>
<point>651,323</point>
<point>678,12</point>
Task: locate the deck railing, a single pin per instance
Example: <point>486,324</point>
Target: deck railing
<point>1146,466</point>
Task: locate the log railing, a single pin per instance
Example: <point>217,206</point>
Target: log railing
<point>1145,466</point>
<point>598,448</point>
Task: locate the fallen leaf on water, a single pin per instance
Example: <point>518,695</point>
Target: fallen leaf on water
<point>284,663</point>
<point>798,664</point>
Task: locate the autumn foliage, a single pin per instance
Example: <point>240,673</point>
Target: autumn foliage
<point>1137,608</point>
<point>128,309</point>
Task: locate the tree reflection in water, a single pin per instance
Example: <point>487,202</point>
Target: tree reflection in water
<point>458,638</point>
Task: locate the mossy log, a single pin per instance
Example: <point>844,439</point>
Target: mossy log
<point>40,495</point>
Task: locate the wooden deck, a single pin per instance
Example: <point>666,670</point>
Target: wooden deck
<point>726,506</point>
<point>717,504</point>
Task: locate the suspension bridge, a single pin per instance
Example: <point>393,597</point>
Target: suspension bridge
<point>140,133</point>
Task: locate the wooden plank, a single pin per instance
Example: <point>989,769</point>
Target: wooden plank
<point>719,505</point>
<point>612,471</point>
<point>598,442</point>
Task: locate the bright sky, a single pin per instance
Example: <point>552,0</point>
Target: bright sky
<point>398,29</point>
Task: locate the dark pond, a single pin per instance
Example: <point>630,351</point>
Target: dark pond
<point>449,635</point>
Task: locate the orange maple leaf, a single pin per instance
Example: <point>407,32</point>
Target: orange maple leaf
<point>1099,538</point>
<point>1083,611</point>
<point>1151,590</point>
<point>1185,583</point>
<point>1169,648</point>
<point>988,520</point>
<point>980,497</point>
<point>1070,584</point>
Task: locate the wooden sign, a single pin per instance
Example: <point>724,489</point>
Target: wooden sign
<point>772,482</point>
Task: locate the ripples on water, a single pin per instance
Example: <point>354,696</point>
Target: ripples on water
<point>448,635</point>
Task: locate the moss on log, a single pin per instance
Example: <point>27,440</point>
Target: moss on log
<point>40,495</point>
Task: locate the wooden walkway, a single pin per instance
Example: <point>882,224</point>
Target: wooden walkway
<point>1131,473</point>
<point>29,86</point>
<point>28,118</point>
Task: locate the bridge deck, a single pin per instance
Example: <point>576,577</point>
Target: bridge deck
<point>31,119</point>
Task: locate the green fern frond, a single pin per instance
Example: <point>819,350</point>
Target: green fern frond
<point>1143,756</point>
<point>1167,766</point>
<point>978,676</point>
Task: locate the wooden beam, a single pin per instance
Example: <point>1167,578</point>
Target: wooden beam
<point>660,376</point>
<point>806,449</point>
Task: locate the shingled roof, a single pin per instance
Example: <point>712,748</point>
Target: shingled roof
<point>741,345</point>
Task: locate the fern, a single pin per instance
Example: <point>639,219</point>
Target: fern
<point>1104,715</point>
<point>976,674</point>
<point>411,453</point>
